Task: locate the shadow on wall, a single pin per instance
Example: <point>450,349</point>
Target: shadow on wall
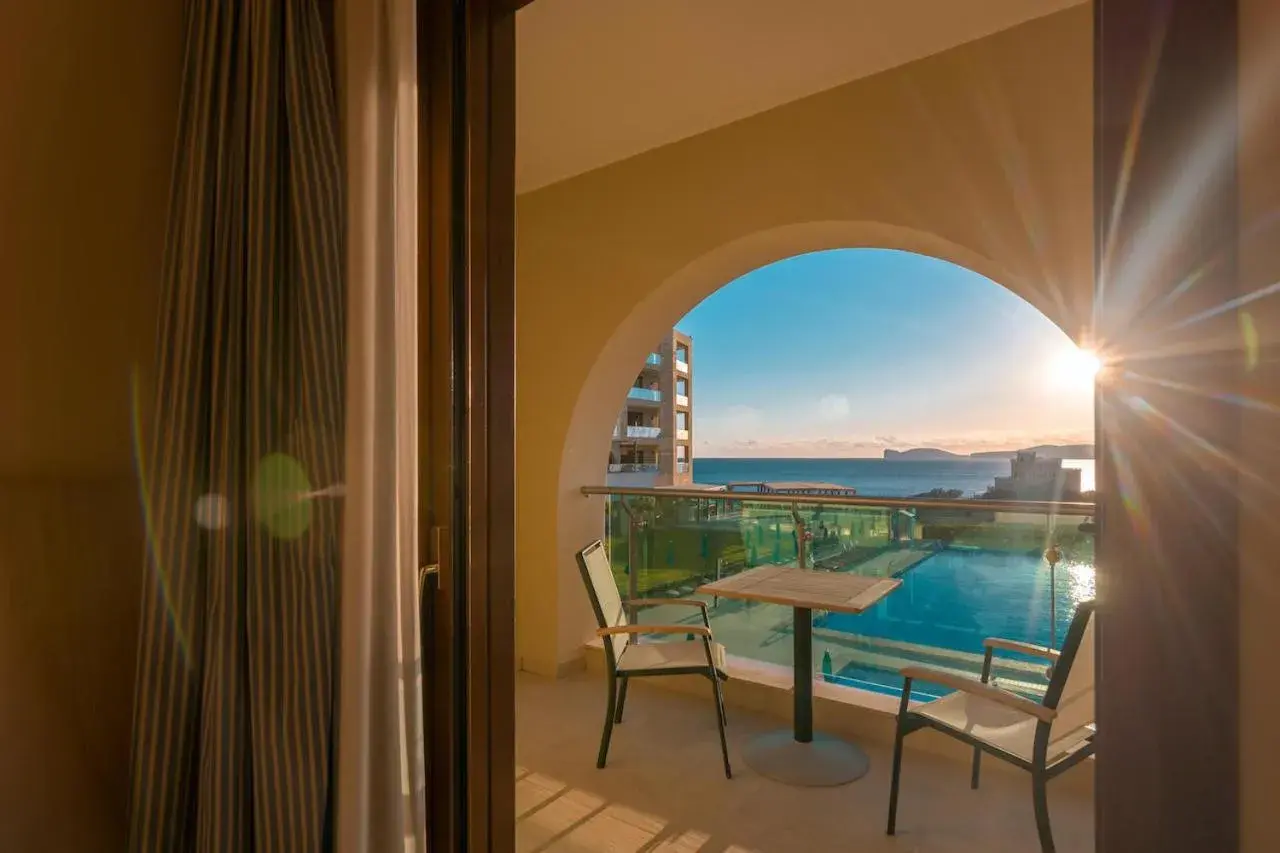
<point>94,88</point>
<point>71,556</point>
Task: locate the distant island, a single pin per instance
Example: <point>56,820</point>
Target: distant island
<point>1043,451</point>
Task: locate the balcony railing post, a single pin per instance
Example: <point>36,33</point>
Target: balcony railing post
<point>634,524</point>
<point>800,549</point>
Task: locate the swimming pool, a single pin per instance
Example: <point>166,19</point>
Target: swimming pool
<point>955,599</point>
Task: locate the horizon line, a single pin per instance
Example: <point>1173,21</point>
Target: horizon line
<point>880,455</point>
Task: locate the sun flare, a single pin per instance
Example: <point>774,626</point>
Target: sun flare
<point>1078,367</point>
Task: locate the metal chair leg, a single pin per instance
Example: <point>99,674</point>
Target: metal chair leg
<point>722,720</point>
<point>608,721</point>
<point>897,775</point>
<point>899,733</point>
<point>1040,796</point>
<point>987,659</point>
<point>622,698</point>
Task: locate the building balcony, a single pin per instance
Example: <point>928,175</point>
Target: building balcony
<point>644,395</point>
<point>640,433</point>
<point>682,400</point>
<point>664,788</point>
<point>682,434</point>
<point>682,367</point>
<point>633,468</point>
<point>653,360</point>
<point>683,467</point>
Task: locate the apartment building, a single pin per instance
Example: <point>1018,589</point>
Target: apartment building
<point>653,436</point>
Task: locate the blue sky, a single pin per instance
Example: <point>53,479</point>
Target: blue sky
<point>847,352</point>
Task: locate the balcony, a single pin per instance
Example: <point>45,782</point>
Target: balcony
<point>644,432</point>
<point>682,400</point>
<point>633,468</point>
<point>682,367</point>
<point>644,395</point>
<point>672,799</point>
<point>663,789</point>
<point>683,467</point>
<point>653,360</point>
<point>682,434</point>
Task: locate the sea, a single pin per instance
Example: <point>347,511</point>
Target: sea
<point>884,478</point>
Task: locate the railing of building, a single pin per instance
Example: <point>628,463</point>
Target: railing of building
<point>969,568</point>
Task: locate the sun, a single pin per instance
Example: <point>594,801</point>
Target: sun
<point>1077,367</point>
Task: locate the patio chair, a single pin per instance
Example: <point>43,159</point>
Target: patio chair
<point>1045,738</point>
<point>626,658</point>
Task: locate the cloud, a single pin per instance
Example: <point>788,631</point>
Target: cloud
<point>833,407</point>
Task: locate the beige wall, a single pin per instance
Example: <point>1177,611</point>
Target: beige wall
<point>981,155</point>
<point>1259,171</point>
<point>88,92</point>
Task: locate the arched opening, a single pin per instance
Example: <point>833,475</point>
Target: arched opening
<point>928,383</point>
<point>588,437</point>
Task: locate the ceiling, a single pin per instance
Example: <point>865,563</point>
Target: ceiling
<point>602,80</point>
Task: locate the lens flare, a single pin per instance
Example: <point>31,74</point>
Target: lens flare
<point>279,498</point>
<point>1077,368</point>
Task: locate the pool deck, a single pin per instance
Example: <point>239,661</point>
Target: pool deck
<point>894,561</point>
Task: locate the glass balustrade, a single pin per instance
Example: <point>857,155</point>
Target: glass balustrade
<point>647,394</point>
<point>633,467</point>
<point>968,570</point>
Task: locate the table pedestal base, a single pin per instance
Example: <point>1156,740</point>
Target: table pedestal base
<point>825,762</point>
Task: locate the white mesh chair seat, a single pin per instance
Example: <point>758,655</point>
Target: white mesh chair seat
<point>1004,728</point>
<point>682,654</point>
<point>1046,738</point>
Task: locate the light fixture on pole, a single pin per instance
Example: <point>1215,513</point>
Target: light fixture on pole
<point>1053,555</point>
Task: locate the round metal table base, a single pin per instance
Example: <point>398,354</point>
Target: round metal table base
<point>825,762</point>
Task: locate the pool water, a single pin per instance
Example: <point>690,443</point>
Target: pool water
<point>957,598</point>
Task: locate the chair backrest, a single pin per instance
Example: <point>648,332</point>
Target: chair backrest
<point>1072,690</point>
<point>597,574</point>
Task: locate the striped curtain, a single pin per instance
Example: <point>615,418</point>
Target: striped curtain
<point>234,712</point>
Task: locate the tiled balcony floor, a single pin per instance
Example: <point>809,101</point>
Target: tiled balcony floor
<point>664,789</point>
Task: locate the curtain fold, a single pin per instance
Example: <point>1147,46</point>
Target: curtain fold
<point>381,774</point>
<point>237,668</point>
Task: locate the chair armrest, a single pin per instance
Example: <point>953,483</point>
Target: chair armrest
<point>1020,648</point>
<point>655,602</point>
<point>696,630</point>
<point>983,691</point>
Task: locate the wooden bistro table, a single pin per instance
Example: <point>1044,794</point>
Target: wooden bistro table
<point>797,757</point>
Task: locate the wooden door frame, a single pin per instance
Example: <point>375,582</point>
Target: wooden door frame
<point>1168,551</point>
<point>466,203</point>
<point>467,230</point>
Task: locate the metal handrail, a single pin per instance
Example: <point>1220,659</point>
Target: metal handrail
<point>1036,507</point>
